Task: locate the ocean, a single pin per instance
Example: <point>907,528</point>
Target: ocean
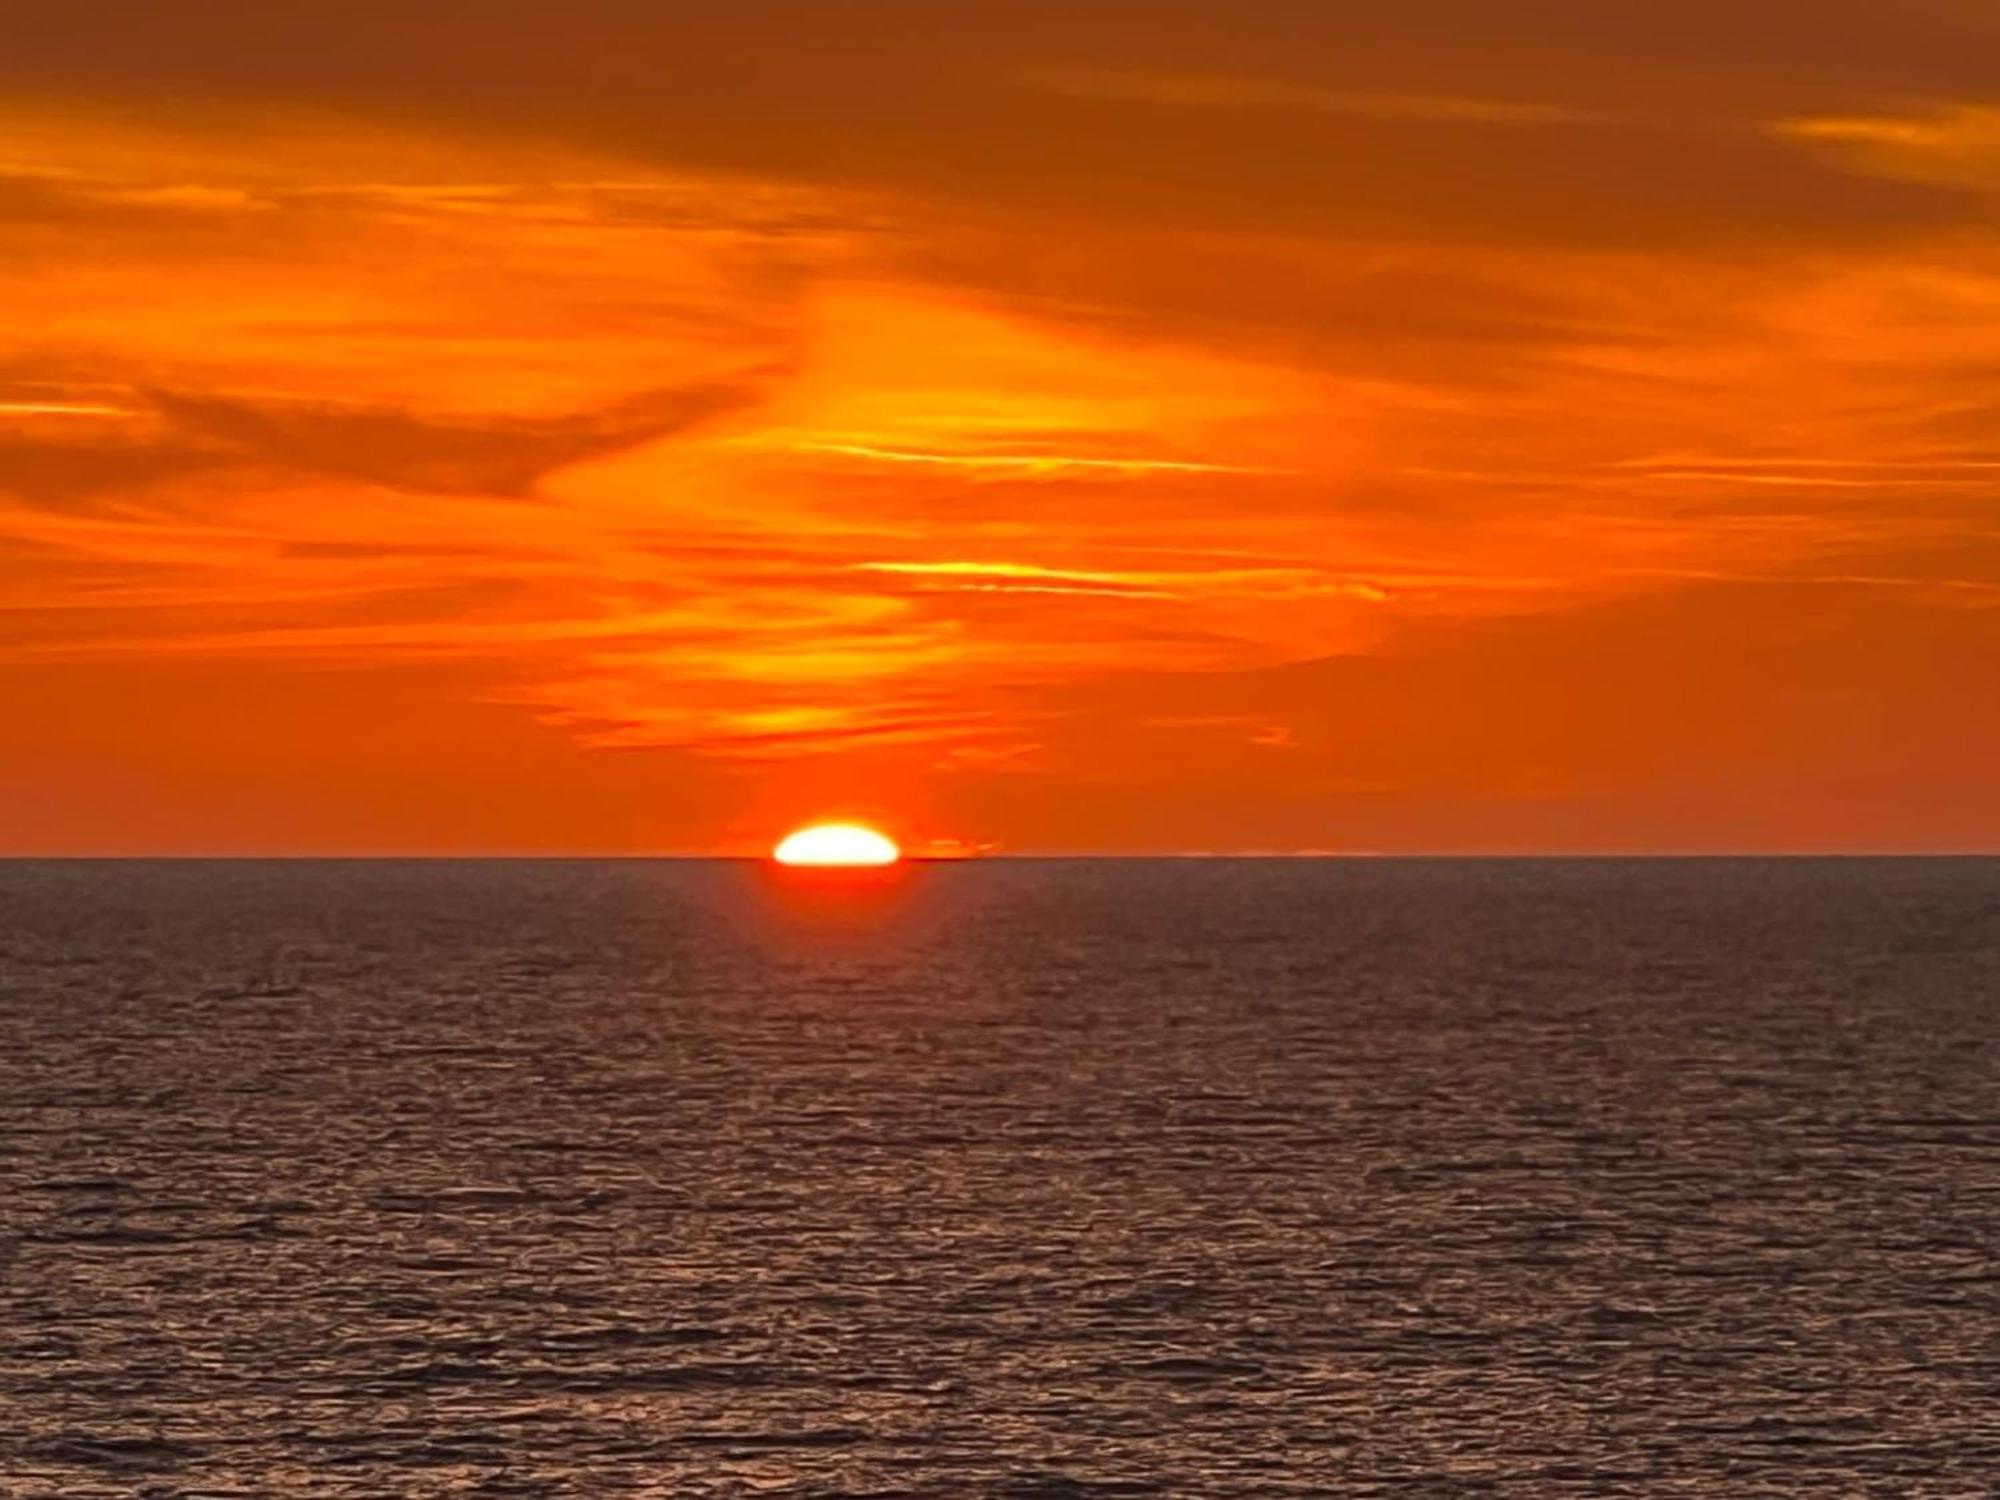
<point>1004,1178</point>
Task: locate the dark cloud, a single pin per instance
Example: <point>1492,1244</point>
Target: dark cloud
<point>1669,144</point>
<point>73,473</point>
<point>1410,316</point>
<point>486,455</point>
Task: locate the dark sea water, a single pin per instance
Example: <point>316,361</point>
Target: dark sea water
<point>1204,1178</point>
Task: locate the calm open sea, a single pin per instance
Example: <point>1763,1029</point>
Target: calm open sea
<point>1014,1178</point>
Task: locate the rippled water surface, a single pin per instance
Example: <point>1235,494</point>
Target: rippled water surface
<point>1024,1179</point>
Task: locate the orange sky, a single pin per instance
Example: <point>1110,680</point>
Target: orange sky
<point>1130,426</point>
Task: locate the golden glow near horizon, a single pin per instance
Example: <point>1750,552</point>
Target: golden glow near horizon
<point>836,844</point>
<point>1393,428</point>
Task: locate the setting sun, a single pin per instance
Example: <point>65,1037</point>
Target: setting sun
<point>836,844</point>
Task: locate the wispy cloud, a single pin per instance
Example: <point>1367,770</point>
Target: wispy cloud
<point>1198,90</point>
<point>29,407</point>
<point>1026,464</point>
<point>1954,144</point>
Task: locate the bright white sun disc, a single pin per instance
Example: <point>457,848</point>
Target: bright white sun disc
<point>836,844</point>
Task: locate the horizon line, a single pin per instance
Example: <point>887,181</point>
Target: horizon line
<point>1017,857</point>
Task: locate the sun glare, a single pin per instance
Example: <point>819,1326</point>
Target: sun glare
<point>836,844</point>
